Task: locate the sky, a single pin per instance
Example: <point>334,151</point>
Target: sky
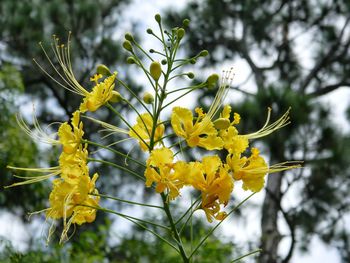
<point>144,11</point>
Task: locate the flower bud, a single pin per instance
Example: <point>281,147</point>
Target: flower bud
<point>116,97</point>
<point>164,61</point>
<point>212,81</point>
<point>148,98</point>
<point>103,70</point>
<point>158,18</point>
<point>221,123</point>
<point>151,50</point>
<point>180,33</point>
<point>193,61</point>
<point>190,75</point>
<point>127,45</point>
<point>186,23</point>
<point>149,31</point>
<point>155,70</point>
<point>129,37</point>
<point>204,53</point>
<point>131,60</point>
<point>174,30</point>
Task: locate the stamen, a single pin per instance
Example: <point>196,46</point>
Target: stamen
<point>41,135</point>
<point>268,129</point>
<point>62,54</point>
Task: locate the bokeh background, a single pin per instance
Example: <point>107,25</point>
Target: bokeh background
<point>284,53</point>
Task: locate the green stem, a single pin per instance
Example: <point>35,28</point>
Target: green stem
<point>174,229</point>
<point>127,124</point>
<point>142,50</point>
<point>182,95</point>
<point>117,166</point>
<point>201,85</point>
<point>218,224</point>
<point>134,95</point>
<point>188,219</point>
<point>246,255</point>
<point>114,151</point>
<point>127,201</point>
<point>138,114</point>
<point>132,219</point>
<point>188,210</point>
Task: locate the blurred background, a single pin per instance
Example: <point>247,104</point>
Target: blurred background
<point>284,53</point>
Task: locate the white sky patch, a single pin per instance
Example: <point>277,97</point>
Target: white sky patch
<point>12,229</point>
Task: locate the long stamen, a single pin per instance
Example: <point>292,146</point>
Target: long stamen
<point>40,134</point>
<point>62,55</point>
<point>226,81</point>
<point>107,126</point>
<point>268,129</point>
<point>52,171</point>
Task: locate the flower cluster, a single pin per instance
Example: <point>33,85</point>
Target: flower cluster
<point>213,177</point>
<point>74,197</point>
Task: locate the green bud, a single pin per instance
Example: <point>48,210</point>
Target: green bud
<point>148,98</point>
<point>186,23</point>
<point>129,37</point>
<point>155,70</point>
<point>131,60</point>
<point>204,53</point>
<point>221,123</point>
<point>127,45</point>
<point>149,31</point>
<point>151,50</point>
<point>103,70</point>
<point>190,75</point>
<point>158,18</point>
<point>212,81</point>
<point>164,62</point>
<point>180,33</point>
<point>116,97</point>
<point>193,61</point>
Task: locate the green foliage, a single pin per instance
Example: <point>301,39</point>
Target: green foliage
<point>17,148</point>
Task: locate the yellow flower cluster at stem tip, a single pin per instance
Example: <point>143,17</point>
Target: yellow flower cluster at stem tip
<point>213,177</point>
<point>228,159</point>
<point>74,196</point>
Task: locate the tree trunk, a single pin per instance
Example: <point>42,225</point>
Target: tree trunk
<point>270,236</point>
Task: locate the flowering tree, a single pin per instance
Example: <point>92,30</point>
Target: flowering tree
<point>74,198</point>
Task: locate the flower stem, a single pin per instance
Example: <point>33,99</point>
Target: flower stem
<point>174,230</point>
<point>117,166</point>
<point>127,201</point>
<point>246,255</point>
<point>218,224</point>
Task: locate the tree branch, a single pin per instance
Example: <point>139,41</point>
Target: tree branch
<point>329,88</point>
<point>323,61</point>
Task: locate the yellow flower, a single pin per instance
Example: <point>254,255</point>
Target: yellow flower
<point>73,169</point>
<point>250,170</point>
<point>85,213</point>
<point>185,172</point>
<point>211,207</point>
<point>70,135</point>
<point>213,180</point>
<point>236,143</point>
<point>142,131</point>
<point>160,171</point>
<point>215,183</point>
<point>200,133</point>
<point>73,201</point>
<point>100,94</point>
